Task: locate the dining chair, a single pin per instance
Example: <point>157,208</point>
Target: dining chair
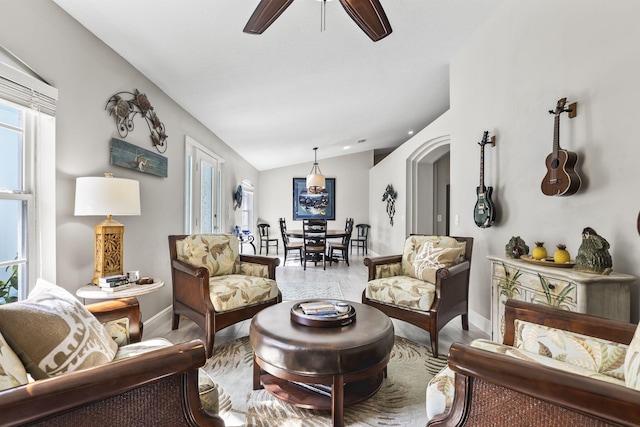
<point>343,245</point>
<point>362,241</point>
<point>314,239</point>
<point>265,240</point>
<point>287,243</point>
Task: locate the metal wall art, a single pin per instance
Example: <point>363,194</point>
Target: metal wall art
<point>390,196</point>
<point>133,157</point>
<point>125,111</point>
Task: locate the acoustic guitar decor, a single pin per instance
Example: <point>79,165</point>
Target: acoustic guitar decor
<point>484,212</point>
<point>561,178</point>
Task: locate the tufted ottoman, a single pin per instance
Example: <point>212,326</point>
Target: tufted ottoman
<point>351,359</point>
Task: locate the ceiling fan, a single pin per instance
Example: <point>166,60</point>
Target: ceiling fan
<point>368,14</point>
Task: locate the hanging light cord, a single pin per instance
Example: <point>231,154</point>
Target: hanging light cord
<point>323,15</point>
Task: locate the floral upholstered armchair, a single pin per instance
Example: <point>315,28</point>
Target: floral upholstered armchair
<point>427,285</point>
<point>216,286</point>
<point>555,368</point>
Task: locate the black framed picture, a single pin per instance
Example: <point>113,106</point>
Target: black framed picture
<point>307,205</point>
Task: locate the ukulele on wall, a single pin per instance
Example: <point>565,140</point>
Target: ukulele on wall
<point>561,178</point>
<point>484,212</point>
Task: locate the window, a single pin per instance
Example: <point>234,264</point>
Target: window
<point>27,183</point>
<point>247,205</point>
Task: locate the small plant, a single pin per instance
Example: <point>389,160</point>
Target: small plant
<point>8,295</point>
<point>509,284</point>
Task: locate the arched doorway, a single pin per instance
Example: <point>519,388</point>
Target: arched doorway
<point>428,188</point>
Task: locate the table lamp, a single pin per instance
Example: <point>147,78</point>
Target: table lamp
<point>107,196</point>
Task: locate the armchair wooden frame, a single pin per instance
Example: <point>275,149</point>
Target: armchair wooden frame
<point>191,295</point>
<point>451,295</point>
<point>499,390</point>
<point>156,388</point>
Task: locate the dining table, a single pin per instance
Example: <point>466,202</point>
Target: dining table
<point>331,234</point>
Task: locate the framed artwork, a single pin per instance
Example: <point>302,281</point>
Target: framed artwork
<point>307,205</point>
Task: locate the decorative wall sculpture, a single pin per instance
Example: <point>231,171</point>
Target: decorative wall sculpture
<point>125,110</point>
<point>390,196</point>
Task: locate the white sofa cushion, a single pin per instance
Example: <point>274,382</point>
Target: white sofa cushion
<point>12,371</point>
<point>632,362</point>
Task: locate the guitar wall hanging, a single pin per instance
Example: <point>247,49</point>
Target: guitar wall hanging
<point>484,212</point>
<point>561,178</point>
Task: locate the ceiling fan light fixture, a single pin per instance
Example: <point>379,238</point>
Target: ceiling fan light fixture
<point>315,179</point>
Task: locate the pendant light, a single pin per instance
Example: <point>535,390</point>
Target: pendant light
<point>315,179</point>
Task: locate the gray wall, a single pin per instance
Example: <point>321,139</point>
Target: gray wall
<point>87,73</point>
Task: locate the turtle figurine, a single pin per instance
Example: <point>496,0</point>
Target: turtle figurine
<point>516,248</point>
<point>593,255</point>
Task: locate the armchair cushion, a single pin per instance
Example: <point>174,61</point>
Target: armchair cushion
<point>234,291</point>
<point>118,329</point>
<point>53,333</point>
<point>402,291</point>
<point>424,255</point>
<point>594,354</point>
<point>632,362</point>
<point>219,253</point>
<point>12,371</point>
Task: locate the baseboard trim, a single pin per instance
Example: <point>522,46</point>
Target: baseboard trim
<point>480,322</point>
<point>154,322</point>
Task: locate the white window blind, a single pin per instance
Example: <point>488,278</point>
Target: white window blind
<point>27,91</point>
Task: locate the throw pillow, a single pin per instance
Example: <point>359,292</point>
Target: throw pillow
<point>217,252</point>
<point>53,333</point>
<point>632,362</point>
<point>430,258</point>
<point>12,372</point>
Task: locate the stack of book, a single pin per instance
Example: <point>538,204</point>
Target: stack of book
<point>114,283</point>
<point>320,308</point>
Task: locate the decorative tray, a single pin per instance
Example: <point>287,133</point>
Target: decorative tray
<point>547,262</point>
<point>327,320</point>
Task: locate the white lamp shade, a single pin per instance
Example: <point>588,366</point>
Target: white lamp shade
<point>107,196</point>
<point>315,181</point>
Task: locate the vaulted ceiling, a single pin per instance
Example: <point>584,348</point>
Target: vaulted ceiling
<point>273,97</point>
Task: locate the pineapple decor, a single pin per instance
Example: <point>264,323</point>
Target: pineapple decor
<point>561,255</point>
<point>539,252</point>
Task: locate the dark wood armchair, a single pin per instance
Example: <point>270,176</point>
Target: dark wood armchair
<point>191,295</point>
<point>493,389</point>
<point>450,299</point>
<point>156,388</point>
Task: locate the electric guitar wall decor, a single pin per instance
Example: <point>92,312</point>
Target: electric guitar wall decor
<point>484,212</point>
<point>561,178</point>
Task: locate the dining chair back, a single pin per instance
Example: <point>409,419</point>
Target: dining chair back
<point>265,240</point>
<point>287,243</point>
<point>343,245</point>
<point>314,238</point>
<point>362,240</point>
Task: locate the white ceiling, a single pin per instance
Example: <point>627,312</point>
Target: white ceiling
<point>275,96</point>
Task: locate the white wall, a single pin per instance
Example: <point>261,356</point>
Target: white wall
<point>505,80</point>
<point>352,182</point>
<point>87,73</point>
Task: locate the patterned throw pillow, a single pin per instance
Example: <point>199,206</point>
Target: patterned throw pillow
<point>414,245</point>
<point>632,362</point>
<point>12,372</point>
<point>594,354</point>
<point>429,257</point>
<point>217,252</point>
<point>53,333</point>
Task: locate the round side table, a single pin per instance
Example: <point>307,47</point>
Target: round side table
<point>95,292</point>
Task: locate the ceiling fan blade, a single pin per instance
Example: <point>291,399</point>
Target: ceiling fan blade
<point>264,15</point>
<point>369,16</point>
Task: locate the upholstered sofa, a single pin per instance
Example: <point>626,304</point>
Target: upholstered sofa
<point>427,285</point>
<point>555,368</point>
<point>61,366</point>
<point>215,286</point>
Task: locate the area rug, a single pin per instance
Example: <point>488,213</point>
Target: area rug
<point>399,402</point>
<point>293,291</point>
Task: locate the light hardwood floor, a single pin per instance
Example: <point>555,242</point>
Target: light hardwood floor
<point>352,280</point>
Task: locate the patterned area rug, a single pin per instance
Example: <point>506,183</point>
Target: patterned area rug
<point>399,402</point>
<point>292,291</point>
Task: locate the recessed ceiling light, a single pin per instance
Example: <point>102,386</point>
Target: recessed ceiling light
<point>410,132</point>
<point>346,147</point>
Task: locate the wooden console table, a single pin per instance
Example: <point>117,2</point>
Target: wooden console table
<point>600,295</point>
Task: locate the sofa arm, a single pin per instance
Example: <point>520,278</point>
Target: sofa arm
<point>270,263</point>
<point>374,262</point>
<point>106,311</point>
<point>495,387</point>
<point>155,388</point>
<point>579,323</point>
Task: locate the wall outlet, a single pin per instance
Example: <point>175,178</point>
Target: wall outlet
<point>457,220</point>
